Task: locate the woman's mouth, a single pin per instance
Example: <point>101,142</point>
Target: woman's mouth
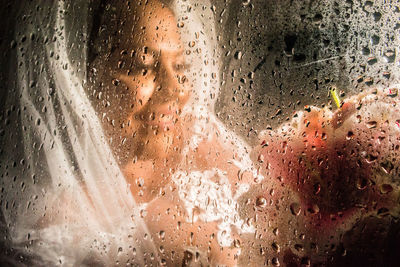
<point>164,119</point>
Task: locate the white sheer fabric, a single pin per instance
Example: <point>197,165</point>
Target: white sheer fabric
<point>209,192</point>
<point>75,203</point>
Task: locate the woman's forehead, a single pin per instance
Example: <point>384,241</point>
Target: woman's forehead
<point>158,30</point>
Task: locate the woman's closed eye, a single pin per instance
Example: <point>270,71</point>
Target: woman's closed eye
<point>138,65</point>
<point>181,66</point>
<point>144,68</point>
<point>145,61</point>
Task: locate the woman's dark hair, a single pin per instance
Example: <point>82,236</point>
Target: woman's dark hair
<point>108,17</point>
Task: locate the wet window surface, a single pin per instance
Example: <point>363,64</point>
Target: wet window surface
<point>199,133</point>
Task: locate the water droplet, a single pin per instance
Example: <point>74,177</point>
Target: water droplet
<point>393,92</point>
<point>140,182</point>
<point>318,17</point>
<point>372,60</point>
<point>387,166</point>
<point>389,56</point>
<point>236,243</point>
<point>32,84</point>
<point>361,183</point>
<point>275,231</point>
<point>120,64</point>
<point>192,44</point>
<point>295,209</point>
<point>371,124</point>
<point>349,135</point>
<point>366,51</point>
<point>298,247</point>
<point>275,262</point>
<point>261,202</point>
<point>245,2</point>
<point>375,39</point>
<point>238,55</point>
<point>161,234</point>
<point>143,213</point>
<point>377,16</point>
<point>314,209</point>
<point>276,247</point>
<point>386,188</point>
<point>115,82</point>
<point>13,44</point>
<point>181,79</point>
<point>317,188</point>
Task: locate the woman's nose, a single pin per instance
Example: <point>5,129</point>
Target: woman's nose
<point>173,84</point>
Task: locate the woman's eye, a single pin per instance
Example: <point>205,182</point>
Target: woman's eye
<point>180,67</point>
<point>143,68</point>
<point>146,66</point>
<point>145,63</point>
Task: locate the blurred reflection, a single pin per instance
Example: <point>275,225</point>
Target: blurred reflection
<point>338,171</point>
<point>329,196</point>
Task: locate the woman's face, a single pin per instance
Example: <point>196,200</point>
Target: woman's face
<point>156,81</point>
<point>147,71</point>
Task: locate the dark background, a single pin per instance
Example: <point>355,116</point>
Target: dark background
<point>280,55</point>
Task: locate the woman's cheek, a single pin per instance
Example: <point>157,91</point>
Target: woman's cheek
<point>141,88</point>
<point>144,89</point>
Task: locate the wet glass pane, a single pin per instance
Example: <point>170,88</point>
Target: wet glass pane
<point>199,133</point>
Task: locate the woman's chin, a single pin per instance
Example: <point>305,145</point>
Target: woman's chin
<point>162,125</point>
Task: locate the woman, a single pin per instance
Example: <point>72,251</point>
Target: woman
<point>161,147</point>
<point>175,155</point>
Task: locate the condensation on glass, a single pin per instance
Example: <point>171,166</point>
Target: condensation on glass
<point>200,133</point>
